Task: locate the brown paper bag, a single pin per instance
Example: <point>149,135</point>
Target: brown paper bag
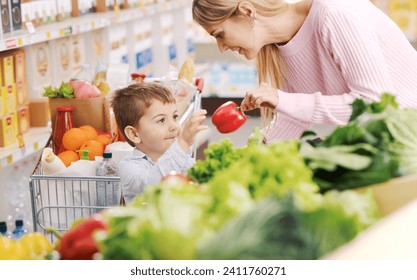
<point>87,111</point>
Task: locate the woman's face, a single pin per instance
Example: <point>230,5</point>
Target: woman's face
<point>236,34</point>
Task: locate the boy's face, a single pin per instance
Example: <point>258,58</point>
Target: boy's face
<point>158,128</point>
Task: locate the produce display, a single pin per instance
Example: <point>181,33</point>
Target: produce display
<point>285,200</point>
<point>256,202</point>
<point>32,246</point>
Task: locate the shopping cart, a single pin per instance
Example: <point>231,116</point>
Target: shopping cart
<point>57,201</point>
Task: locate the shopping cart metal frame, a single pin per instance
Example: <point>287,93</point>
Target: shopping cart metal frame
<point>54,201</point>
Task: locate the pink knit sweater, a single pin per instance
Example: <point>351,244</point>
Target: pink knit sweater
<point>344,50</point>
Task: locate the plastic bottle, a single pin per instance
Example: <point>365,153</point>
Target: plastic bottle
<point>63,122</point>
<point>19,230</point>
<point>3,230</point>
<point>107,191</point>
<point>50,163</point>
<point>82,167</point>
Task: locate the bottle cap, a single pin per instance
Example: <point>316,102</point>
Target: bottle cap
<point>19,223</point>
<point>65,109</point>
<point>107,155</point>
<point>3,227</point>
<point>84,154</point>
<point>138,75</point>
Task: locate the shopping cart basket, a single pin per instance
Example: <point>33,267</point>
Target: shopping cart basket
<point>57,201</point>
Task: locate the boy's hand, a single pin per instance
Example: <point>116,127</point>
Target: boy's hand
<point>193,125</point>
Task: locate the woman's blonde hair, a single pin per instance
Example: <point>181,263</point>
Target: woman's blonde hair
<point>268,62</point>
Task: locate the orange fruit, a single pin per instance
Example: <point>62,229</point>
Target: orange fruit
<point>96,148</point>
<point>68,157</point>
<point>90,130</point>
<point>104,139</point>
<point>74,138</point>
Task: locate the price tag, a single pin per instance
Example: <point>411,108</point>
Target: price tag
<point>30,27</point>
<point>48,35</point>
<point>19,42</point>
<point>10,159</point>
<point>65,31</point>
<point>93,25</point>
<point>11,43</point>
<point>36,146</point>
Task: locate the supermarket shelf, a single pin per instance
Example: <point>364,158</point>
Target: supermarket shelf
<point>35,139</point>
<point>83,24</point>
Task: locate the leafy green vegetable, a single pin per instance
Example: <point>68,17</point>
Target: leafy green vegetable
<point>360,107</point>
<point>271,169</point>
<point>403,128</point>
<point>341,155</point>
<point>170,221</point>
<point>277,229</point>
<point>218,156</point>
<point>256,138</point>
<point>272,230</point>
<point>383,137</point>
<point>64,91</point>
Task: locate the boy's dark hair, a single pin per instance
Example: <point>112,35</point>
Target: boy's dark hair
<point>129,104</point>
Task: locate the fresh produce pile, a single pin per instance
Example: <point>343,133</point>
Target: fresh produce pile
<point>256,202</point>
<point>286,200</point>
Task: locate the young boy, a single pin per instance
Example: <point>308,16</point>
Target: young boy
<point>147,115</point>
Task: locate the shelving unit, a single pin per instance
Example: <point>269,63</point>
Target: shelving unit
<point>24,159</point>
<point>168,43</point>
<point>34,140</point>
<point>82,24</point>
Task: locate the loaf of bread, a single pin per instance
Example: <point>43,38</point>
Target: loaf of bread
<point>187,71</point>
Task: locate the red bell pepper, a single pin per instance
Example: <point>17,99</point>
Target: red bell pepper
<point>78,243</point>
<point>228,117</point>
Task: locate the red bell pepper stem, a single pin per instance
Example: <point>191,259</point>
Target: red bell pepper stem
<point>54,232</point>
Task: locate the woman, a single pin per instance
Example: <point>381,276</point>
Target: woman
<point>314,57</point>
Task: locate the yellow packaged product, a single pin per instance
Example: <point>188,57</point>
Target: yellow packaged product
<point>8,130</point>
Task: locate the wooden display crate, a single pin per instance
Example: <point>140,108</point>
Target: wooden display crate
<point>394,236</point>
<point>394,194</point>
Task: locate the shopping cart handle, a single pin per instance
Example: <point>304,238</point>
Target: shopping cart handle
<point>199,82</point>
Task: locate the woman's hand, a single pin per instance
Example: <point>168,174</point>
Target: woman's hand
<point>263,96</point>
<point>194,125</point>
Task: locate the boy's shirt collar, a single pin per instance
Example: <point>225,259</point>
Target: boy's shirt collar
<point>140,154</point>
